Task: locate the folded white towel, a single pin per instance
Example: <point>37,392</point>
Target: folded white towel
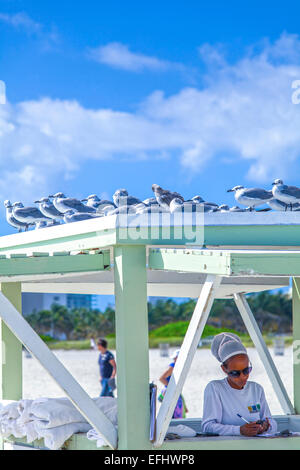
<point>54,438</point>
<point>53,419</point>
<point>180,429</point>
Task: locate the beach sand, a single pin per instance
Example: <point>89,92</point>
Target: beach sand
<point>83,366</point>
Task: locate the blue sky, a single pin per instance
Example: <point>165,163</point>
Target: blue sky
<point>194,96</point>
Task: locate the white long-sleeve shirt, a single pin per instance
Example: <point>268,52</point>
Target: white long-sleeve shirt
<point>222,403</point>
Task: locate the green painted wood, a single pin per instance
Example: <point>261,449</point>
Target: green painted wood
<point>224,262</point>
<point>233,443</point>
<point>54,264</point>
<point>193,261</point>
<point>10,350</point>
<point>281,264</point>
<point>11,370</point>
<point>253,235</point>
<point>81,241</point>
<point>296,341</point>
<point>132,347</point>
<point>80,442</point>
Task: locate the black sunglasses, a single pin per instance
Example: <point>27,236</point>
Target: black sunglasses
<point>237,373</point>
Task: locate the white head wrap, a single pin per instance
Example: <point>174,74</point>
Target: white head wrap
<point>226,345</point>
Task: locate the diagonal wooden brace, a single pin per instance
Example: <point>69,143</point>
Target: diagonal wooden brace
<point>263,352</point>
<point>186,355</point>
<point>80,399</point>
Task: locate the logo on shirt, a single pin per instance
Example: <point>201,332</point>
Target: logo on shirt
<point>254,408</point>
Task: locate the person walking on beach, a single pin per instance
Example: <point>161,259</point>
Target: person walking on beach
<point>108,368</point>
<point>180,409</point>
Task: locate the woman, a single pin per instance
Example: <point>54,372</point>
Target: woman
<point>234,405</point>
<point>180,408</point>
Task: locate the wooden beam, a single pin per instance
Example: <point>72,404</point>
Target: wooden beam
<point>19,266</point>
<point>10,350</point>
<point>186,355</point>
<point>227,263</point>
<point>192,261</point>
<point>87,407</point>
<point>264,353</point>
<point>132,345</point>
<point>296,341</point>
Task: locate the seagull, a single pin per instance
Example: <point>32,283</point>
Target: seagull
<point>251,197</point>
<point>28,215</point>
<point>94,201</point>
<point>12,220</point>
<point>237,209</point>
<point>223,208</point>
<point>288,194</point>
<point>164,197</point>
<point>72,216</point>
<point>177,205</point>
<point>47,208</point>
<point>40,225</point>
<point>121,198</point>
<point>152,209</point>
<point>151,201</point>
<point>63,204</point>
<point>123,210</point>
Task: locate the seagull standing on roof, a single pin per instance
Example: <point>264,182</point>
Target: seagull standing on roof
<point>164,197</point>
<point>63,204</point>
<point>251,197</point>
<point>177,205</point>
<point>150,201</point>
<point>288,194</point>
<point>47,208</point>
<point>126,209</point>
<point>122,198</point>
<point>12,220</point>
<point>99,205</point>
<point>73,216</point>
<point>28,215</point>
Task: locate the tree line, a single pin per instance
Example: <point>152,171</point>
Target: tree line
<point>273,313</point>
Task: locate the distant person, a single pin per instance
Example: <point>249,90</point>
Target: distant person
<point>108,369</point>
<point>180,409</point>
<point>235,406</point>
<point>93,344</point>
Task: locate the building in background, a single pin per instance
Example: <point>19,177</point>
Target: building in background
<point>37,301</point>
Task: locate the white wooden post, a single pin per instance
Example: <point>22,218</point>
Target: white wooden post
<point>263,352</point>
<point>80,399</point>
<point>186,355</point>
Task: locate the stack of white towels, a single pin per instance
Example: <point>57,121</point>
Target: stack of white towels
<point>53,419</point>
<point>56,419</point>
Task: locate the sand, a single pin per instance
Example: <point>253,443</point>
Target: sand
<point>83,366</point>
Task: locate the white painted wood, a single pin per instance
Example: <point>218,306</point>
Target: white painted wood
<point>22,330</point>
<point>154,289</point>
<point>264,353</point>
<point>186,355</point>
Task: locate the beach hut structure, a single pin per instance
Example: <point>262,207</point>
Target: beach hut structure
<point>221,256</point>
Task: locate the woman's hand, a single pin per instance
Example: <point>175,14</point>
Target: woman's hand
<point>265,426</point>
<point>251,429</point>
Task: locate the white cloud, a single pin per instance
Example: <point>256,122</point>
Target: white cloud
<point>244,112</point>
<point>119,56</point>
<point>22,21</point>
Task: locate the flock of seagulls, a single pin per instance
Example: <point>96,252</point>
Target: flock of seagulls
<point>57,208</point>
